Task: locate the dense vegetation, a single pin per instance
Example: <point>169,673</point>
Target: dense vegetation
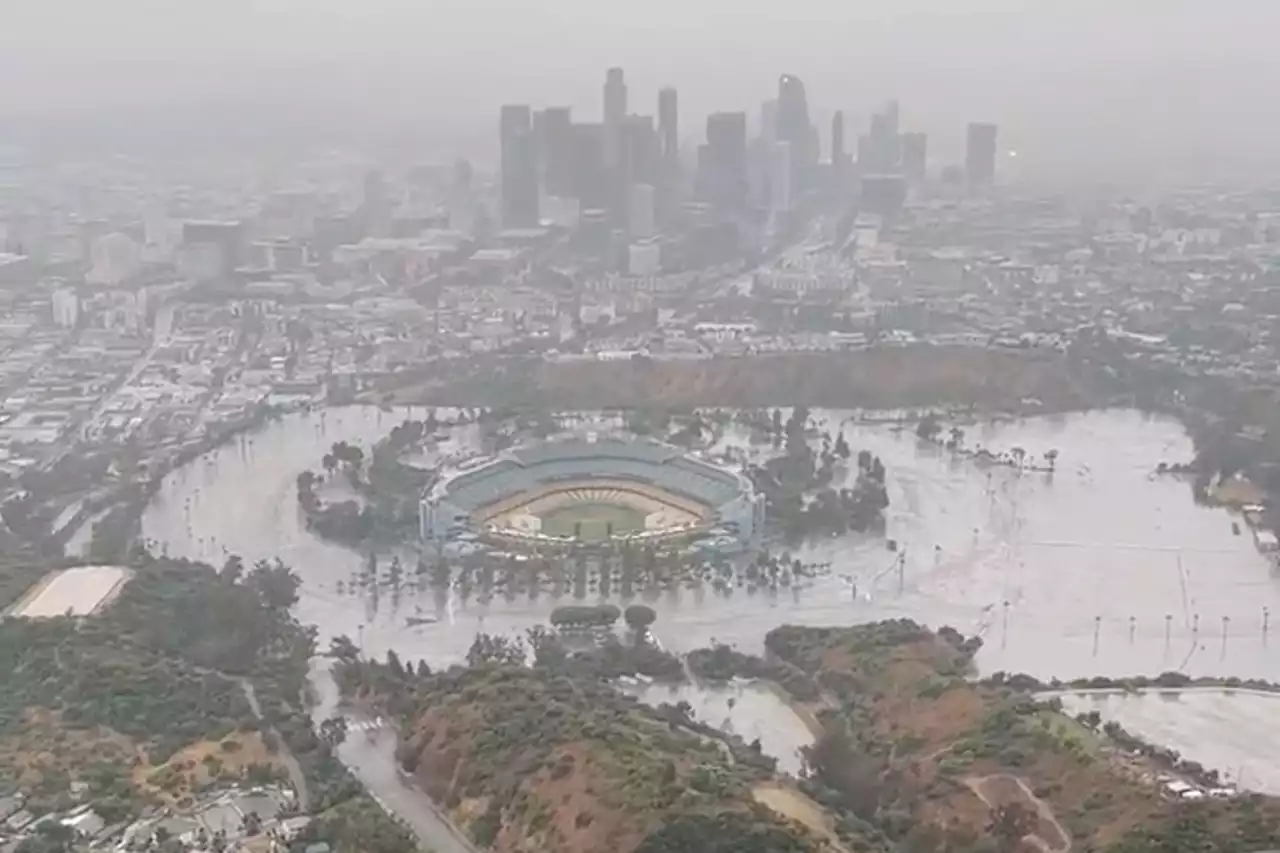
<point>385,490</point>
<point>553,758</point>
<point>914,748</point>
<point>179,658</point>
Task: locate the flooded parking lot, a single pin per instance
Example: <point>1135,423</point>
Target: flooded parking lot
<point>1099,568</point>
<point>1231,731</point>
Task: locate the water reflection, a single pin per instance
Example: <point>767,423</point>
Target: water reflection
<point>750,711</point>
<point>1100,568</point>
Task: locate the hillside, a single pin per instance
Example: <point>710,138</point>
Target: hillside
<point>534,760</point>
<point>938,761</point>
<point>191,680</point>
<point>882,377</point>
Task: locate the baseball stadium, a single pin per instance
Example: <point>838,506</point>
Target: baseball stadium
<point>589,491</point>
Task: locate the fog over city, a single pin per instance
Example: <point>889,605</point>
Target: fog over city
<point>1146,86</point>
<point>672,426</point>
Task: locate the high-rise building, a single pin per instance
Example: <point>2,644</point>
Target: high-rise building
<point>555,150</point>
<point>590,177</point>
<point>882,153</point>
<point>769,122</point>
<point>722,167</point>
<point>641,151</point>
<point>641,220</point>
<point>839,157</point>
<point>980,154</point>
<point>669,127</point>
<point>781,172</point>
<point>615,112</point>
<point>915,156</point>
<point>794,127</point>
<point>519,167</point>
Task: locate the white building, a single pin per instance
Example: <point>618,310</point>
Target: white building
<point>644,259</point>
<point>66,307</point>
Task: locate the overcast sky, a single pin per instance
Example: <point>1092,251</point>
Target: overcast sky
<point>1083,78</point>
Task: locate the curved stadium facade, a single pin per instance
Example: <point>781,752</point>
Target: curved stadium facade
<point>588,491</point>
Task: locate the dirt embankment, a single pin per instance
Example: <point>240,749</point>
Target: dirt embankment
<point>883,377</point>
<point>529,762</point>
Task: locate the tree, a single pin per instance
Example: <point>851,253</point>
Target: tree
<point>1010,823</point>
<point>1018,454</point>
<point>490,648</point>
<point>1051,456</point>
<point>341,648</point>
<point>333,731</point>
<point>232,569</point>
<point>929,427</point>
<point>275,584</point>
<point>639,617</point>
<point>835,761</point>
<point>330,463</point>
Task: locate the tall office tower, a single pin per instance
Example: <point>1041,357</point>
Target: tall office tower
<point>640,159</point>
<point>882,155</point>
<point>980,154</point>
<point>915,156</point>
<point>519,167</point>
<point>839,159</point>
<point>669,126</point>
<point>722,178</point>
<point>590,178</point>
<point>555,150</point>
<point>641,218</point>
<point>615,112</point>
<point>781,172</point>
<point>769,122</point>
<point>795,128</point>
<point>892,117</point>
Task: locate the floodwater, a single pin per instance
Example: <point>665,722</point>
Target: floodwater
<point>370,755</point>
<point>1231,731</point>
<point>1100,568</point>
<point>750,711</point>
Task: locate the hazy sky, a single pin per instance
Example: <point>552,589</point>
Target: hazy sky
<point>1180,77</point>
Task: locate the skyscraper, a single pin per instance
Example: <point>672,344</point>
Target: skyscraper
<point>669,127</point>
<point>980,154</point>
<point>915,156</point>
<point>781,170</point>
<point>795,128</point>
<point>640,159</point>
<point>519,167</point>
<point>590,178</point>
<point>555,150</point>
<point>769,122</point>
<point>722,176</point>
<point>615,112</point>
<point>882,155</point>
<point>839,158</point>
